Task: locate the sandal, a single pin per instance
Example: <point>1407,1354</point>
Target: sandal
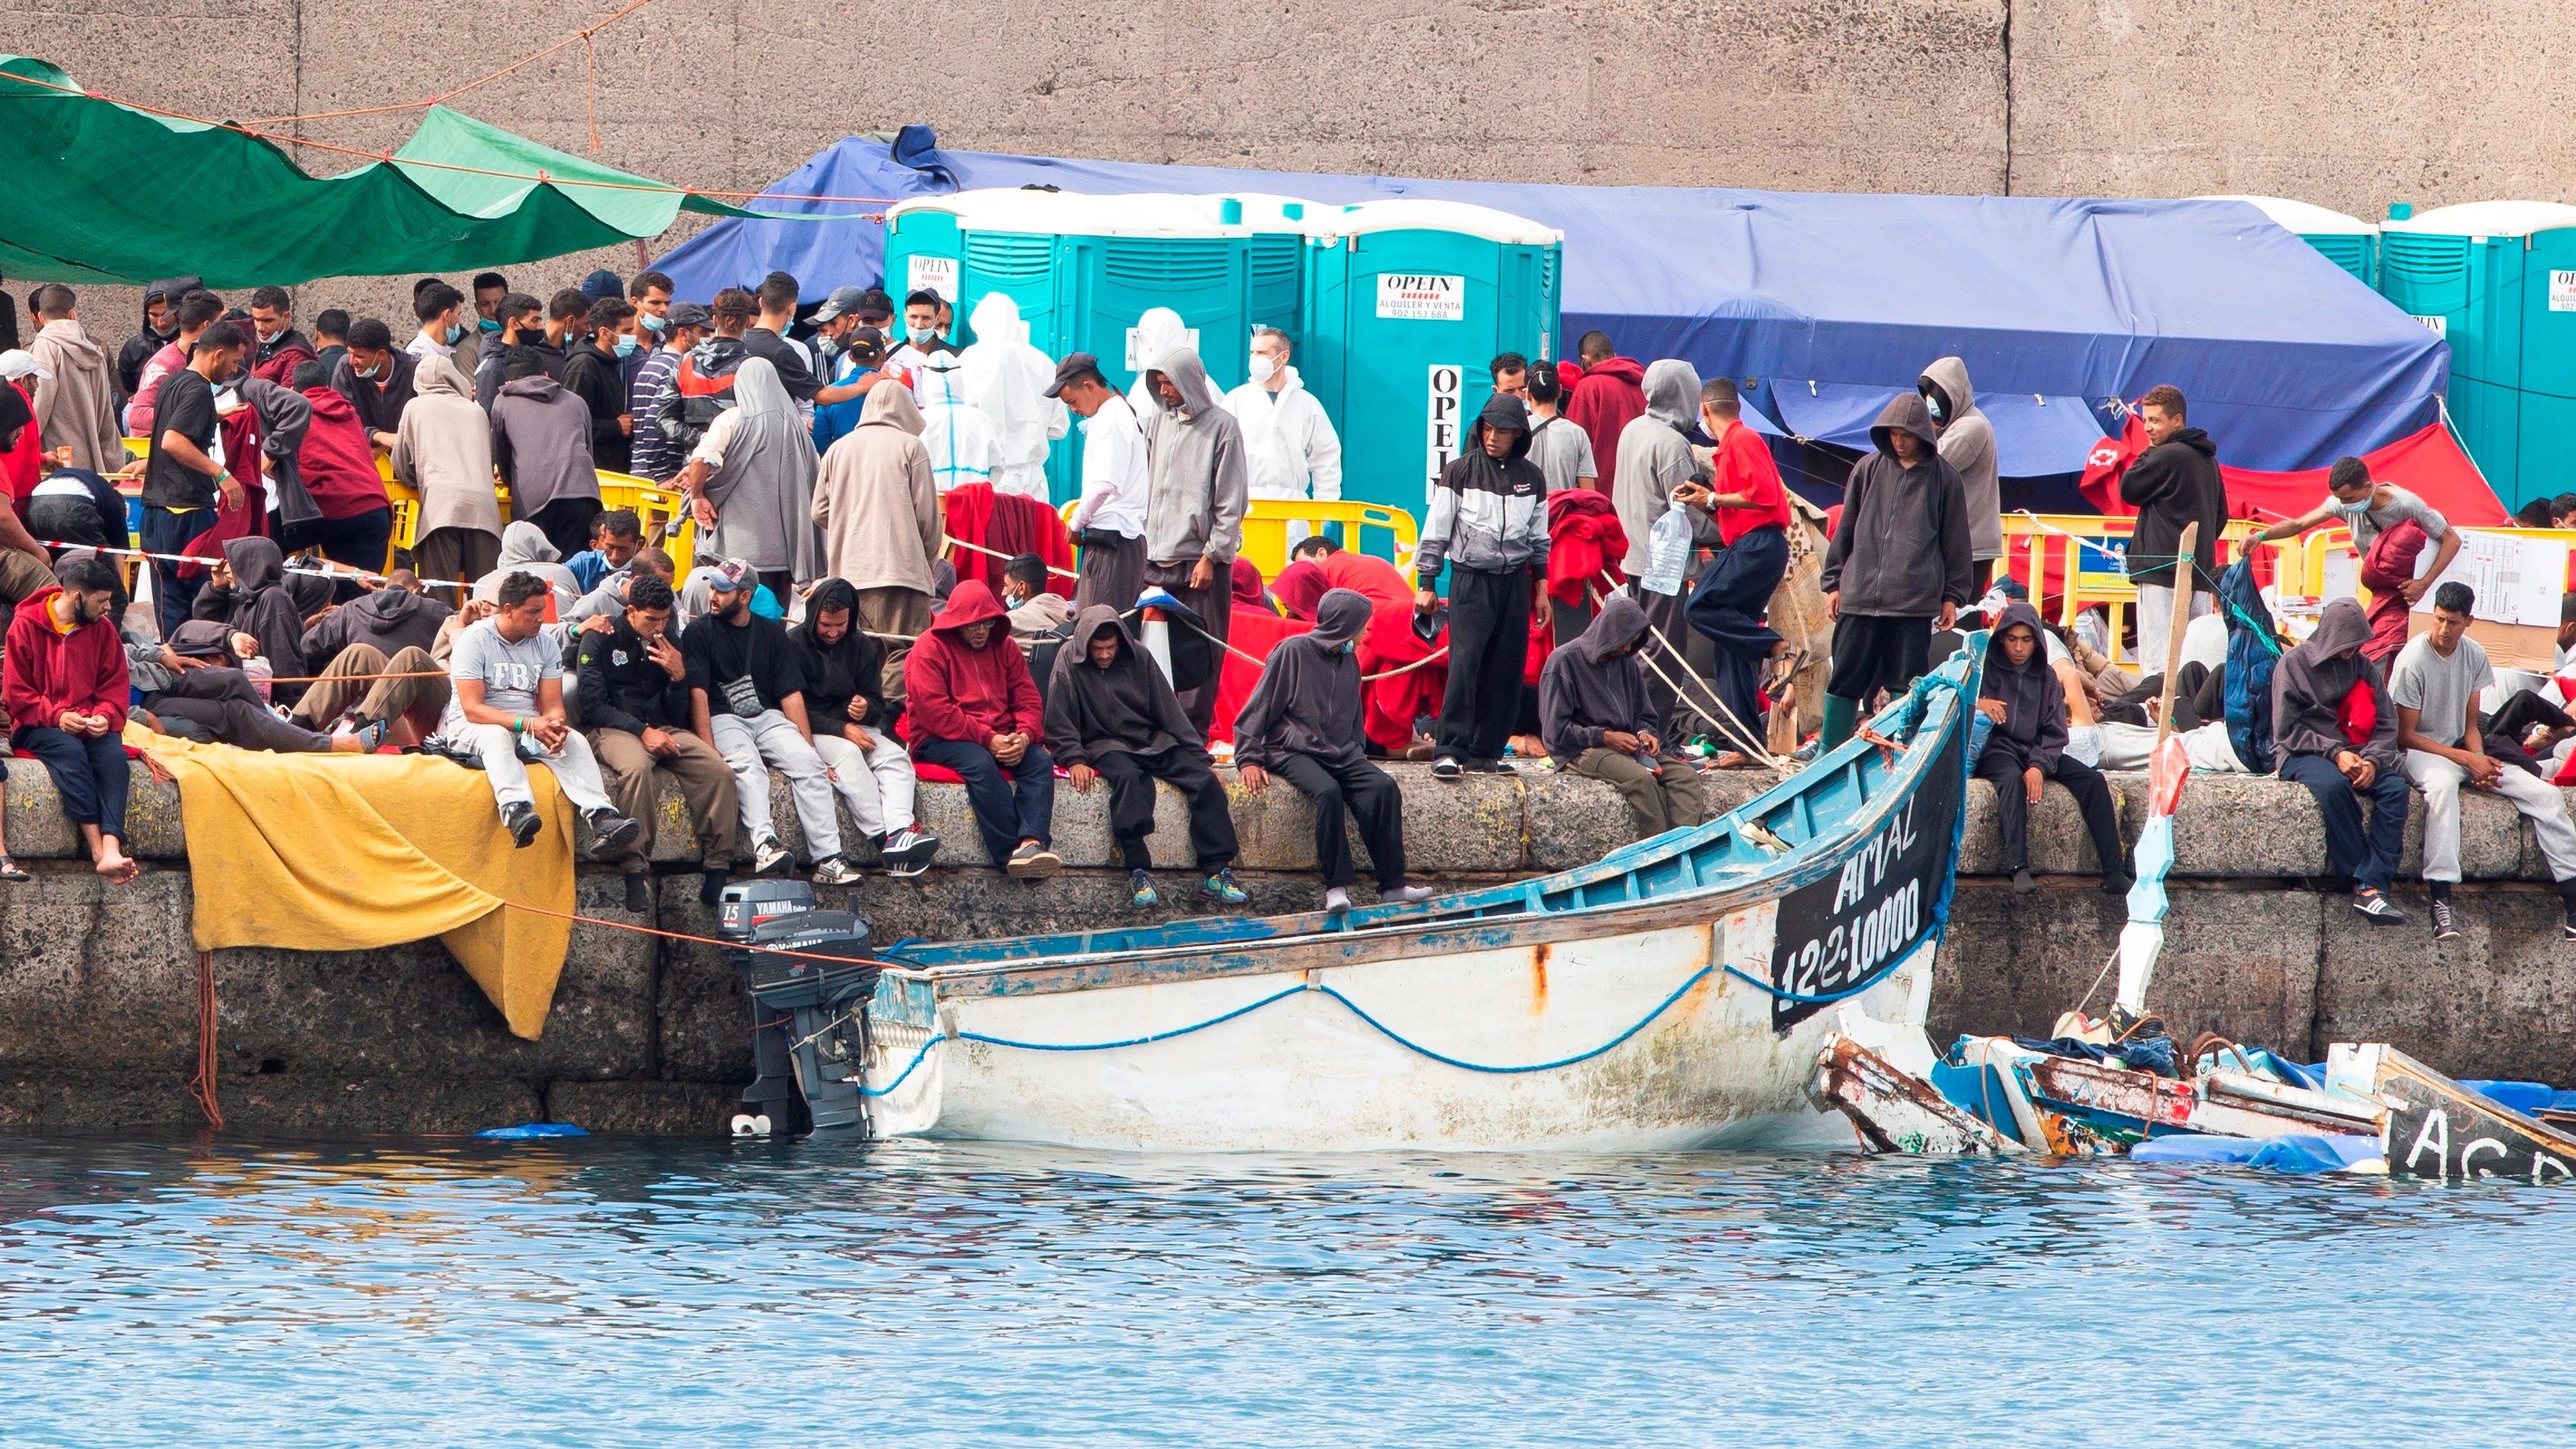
<point>1784,668</point>
<point>11,871</point>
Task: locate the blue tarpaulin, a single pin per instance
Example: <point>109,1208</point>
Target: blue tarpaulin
<point>1830,303</point>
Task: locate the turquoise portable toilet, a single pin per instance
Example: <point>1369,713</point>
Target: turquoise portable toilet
<point>1406,303</point>
<point>2481,274</point>
<point>1083,269</point>
<point>2347,241</point>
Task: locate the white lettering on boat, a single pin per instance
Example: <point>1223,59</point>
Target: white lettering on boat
<point>2436,1134</point>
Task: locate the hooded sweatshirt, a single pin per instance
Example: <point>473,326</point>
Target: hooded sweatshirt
<point>76,407</point>
<point>2033,732</point>
<point>390,619</point>
<point>1968,445</point>
<point>1127,708</point>
<point>541,444</point>
<point>2310,688</point>
<point>139,349</point>
<point>2171,484</point>
<point>594,376</point>
<point>1290,443</point>
<point>44,671</point>
<point>875,499</point>
<point>1198,477</point>
<point>337,462</point>
<point>1488,514</point>
<point>285,417</point>
<point>851,667</point>
<point>1588,687</point>
<point>443,447</point>
<point>1603,403</point>
<point>1308,700</point>
<point>954,692</point>
<point>1903,547</point>
<point>1654,455</point>
<point>525,550</point>
<point>259,605</point>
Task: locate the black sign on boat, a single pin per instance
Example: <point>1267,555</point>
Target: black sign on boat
<point>2439,1130</point>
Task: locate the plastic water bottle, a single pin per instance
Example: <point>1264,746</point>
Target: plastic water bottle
<point>1668,551</point>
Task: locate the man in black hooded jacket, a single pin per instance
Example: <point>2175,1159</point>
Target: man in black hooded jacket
<point>1488,524</point>
<point>1901,565</point>
<point>2173,483</point>
<point>1111,715</point>
<point>160,324</point>
<point>1303,724</point>
<point>2027,749</point>
<point>2322,694</point>
<point>1599,719</point>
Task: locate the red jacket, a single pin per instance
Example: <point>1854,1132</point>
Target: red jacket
<point>47,672</point>
<point>957,693</point>
<point>337,462</point>
<point>1611,395</point>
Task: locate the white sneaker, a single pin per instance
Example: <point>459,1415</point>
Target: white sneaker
<point>768,855</point>
<point>1337,900</point>
<point>1407,895</point>
<point>836,871</point>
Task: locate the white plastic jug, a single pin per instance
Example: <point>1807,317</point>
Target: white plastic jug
<point>1668,551</point>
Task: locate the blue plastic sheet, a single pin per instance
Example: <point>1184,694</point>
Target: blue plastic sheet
<point>2298,1152</point>
<point>2520,1096</point>
<point>2288,360</point>
<point>529,1130</point>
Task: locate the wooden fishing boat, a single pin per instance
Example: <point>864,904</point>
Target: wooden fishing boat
<point>2437,1129</point>
<point>1671,995</point>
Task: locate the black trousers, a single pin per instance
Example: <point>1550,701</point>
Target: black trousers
<point>1878,651</point>
<point>2503,731</point>
<point>168,532</point>
<point>361,542</point>
<point>1131,780</point>
<point>2012,809</point>
<point>1215,607</point>
<point>1727,609</point>
<point>237,718</point>
<point>1369,795</point>
<point>1111,570</point>
<point>566,523</point>
<point>1489,624</point>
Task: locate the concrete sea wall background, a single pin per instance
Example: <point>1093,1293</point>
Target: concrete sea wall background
<point>98,1014</point>
<point>2347,103</point>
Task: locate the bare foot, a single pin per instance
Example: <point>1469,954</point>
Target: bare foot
<point>117,866</point>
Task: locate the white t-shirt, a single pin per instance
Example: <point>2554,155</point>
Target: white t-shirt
<point>511,673</point>
<point>1114,480</point>
<point>2439,689</point>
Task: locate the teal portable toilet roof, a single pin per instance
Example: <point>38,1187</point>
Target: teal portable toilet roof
<point>1325,223</point>
<point>2347,241</point>
<point>2487,218</point>
<point>1065,213</point>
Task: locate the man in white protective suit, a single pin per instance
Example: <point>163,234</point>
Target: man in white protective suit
<point>955,432</point>
<point>1292,449</point>
<point>1006,378</point>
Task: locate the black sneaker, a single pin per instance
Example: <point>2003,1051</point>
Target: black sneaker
<point>613,832</point>
<point>522,823</point>
<point>2023,884</point>
<point>1446,768</point>
<point>639,892</point>
<point>1488,766</point>
<point>711,886</point>
<point>2378,907</point>
<point>2444,928</point>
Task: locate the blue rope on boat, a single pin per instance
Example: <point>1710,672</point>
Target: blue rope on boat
<point>867,1091</point>
<point>1102,1046</point>
<point>1875,977</point>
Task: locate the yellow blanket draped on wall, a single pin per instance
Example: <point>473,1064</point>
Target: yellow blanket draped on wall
<point>357,852</point>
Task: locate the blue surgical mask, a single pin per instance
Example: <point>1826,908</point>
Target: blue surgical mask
<point>455,333</point>
<point>922,336</point>
<point>487,324</point>
<point>1009,602</point>
<point>830,346</point>
<point>626,347</point>
<point>368,372</point>
<point>651,322</point>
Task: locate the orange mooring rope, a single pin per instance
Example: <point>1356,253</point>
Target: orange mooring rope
<point>202,1085</point>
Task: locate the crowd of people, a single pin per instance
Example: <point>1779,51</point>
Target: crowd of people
<point>1592,584</point>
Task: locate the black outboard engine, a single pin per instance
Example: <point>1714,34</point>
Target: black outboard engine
<point>810,983</point>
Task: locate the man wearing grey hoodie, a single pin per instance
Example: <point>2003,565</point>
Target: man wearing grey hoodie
<point>1654,458</point>
<point>1968,445</point>
<point>1899,566</point>
<point>1198,489</point>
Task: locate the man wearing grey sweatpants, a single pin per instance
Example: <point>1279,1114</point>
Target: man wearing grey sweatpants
<point>747,698</point>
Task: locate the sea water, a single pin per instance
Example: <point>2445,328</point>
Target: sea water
<point>633,1293</point>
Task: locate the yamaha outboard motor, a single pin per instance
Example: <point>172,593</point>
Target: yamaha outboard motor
<point>809,980</point>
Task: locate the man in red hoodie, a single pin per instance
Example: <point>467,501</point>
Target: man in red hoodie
<point>64,683</point>
<point>1611,395</point>
<point>971,707</point>
<point>352,519</point>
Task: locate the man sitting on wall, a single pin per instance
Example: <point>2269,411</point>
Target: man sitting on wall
<point>509,712</point>
<point>64,683</point>
<point>2336,730</point>
<point>973,709</point>
<point>635,698</point>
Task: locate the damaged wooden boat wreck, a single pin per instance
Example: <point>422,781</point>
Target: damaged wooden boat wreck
<point>1671,995</point>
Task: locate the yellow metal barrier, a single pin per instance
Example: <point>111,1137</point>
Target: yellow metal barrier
<point>664,510</point>
<point>1265,528</point>
<point>2087,554</point>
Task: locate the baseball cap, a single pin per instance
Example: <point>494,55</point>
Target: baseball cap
<point>18,362</point>
<point>866,342</point>
<point>843,299</point>
<point>731,576</point>
<point>1069,369</point>
<point>874,303</point>
<point>690,314</point>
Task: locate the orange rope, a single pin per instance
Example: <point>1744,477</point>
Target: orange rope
<point>440,100</point>
<point>581,920</point>
<point>202,1085</point>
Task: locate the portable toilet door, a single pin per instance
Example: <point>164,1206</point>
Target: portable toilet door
<point>2548,396</point>
<point>2459,270</point>
<point>2347,241</point>
<point>1408,302</point>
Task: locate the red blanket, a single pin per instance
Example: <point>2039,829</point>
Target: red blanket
<point>1008,525</point>
<point>2388,567</point>
<point>1584,540</point>
<point>1256,632</point>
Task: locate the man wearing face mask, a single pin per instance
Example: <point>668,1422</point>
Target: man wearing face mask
<point>1290,446</point>
<point>650,453</point>
<point>522,324</point>
<point>186,479</point>
<point>441,310</point>
<point>1109,521</point>
<point>1197,492</point>
<point>650,295</point>
<point>277,348</point>
<point>921,340</point>
<point>160,326</point>
<point>376,379</point>
<point>853,356</point>
<point>1302,724</point>
<point>595,375</point>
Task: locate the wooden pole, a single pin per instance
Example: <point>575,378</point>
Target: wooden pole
<point>2184,571</point>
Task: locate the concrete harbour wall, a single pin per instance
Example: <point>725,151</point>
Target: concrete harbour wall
<point>98,1021</point>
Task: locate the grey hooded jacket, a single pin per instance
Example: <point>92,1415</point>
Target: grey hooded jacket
<point>2311,682</point>
<point>1902,548</point>
<point>1308,700</point>
<point>1588,687</point>
<point>1654,455</point>
<point>1968,444</point>
<point>1198,473</point>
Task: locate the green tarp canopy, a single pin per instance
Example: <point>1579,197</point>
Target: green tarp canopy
<point>100,192</point>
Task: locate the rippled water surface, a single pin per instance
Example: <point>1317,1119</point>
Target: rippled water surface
<point>599,1292</point>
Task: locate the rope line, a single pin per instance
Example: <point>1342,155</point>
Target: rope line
<point>202,1085</point>
<point>440,100</point>
<point>917,1058</point>
<point>291,566</point>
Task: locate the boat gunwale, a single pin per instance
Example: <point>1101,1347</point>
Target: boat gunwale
<point>1426,930</point>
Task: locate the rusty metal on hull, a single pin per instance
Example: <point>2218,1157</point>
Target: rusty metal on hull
<point>1892,1111</point>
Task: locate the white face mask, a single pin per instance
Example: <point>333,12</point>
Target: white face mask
<point>1263,368</point>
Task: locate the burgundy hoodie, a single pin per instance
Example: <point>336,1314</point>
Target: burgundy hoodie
<point>1611,395</point>
<point>47,672</point>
